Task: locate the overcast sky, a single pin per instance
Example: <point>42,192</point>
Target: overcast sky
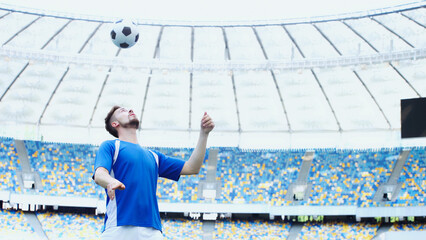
<point>203,10</point>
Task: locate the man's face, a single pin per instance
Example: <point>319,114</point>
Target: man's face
<point>126,118</point>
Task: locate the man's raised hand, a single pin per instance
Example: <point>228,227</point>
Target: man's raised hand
<point>207,123</point>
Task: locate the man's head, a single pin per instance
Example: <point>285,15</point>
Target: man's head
<point>120,117</point>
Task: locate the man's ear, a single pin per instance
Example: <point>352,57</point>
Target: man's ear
<point>115,124</point>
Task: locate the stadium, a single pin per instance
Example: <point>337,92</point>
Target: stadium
<point>308,139</point>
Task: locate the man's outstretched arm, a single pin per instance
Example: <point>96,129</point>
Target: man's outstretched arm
<point>103,179</point>
<point>193,165</point>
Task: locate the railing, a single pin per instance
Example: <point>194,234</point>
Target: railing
<point>227,65</point>
<point>189,23</point>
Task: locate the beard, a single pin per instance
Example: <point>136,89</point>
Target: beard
<point>134,123</point>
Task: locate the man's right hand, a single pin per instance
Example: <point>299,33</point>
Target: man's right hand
<point>112,187</point>
<point>103,179</point>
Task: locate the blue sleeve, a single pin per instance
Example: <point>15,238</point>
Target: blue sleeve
<point>105,156</point>
<point>169,167</point>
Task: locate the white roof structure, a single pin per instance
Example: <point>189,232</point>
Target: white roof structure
<point>315,82</point>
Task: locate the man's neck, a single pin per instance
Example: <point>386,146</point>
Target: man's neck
<point>128,135</point>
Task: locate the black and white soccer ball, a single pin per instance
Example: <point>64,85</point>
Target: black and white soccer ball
<point>125,34</point>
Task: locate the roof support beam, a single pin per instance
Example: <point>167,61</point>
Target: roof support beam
<point>90,37</point>
<point>101,91</point>
<point>360,36</point>
<point>145,98</point>
<point>66,72</point>
<point>192,44</point>
<point>228,57</point>
<point>14,80</point>
<point>327,99</point>
<point>57,32</point>
<point>53,93</point>
<point>259,40</point>
<point>415,21</point>
<point>157,46</point>
<point>394,68</point>
<point>190,99</point>
<point>360,79</point>
<point>394,33</point>
<point>372,96</point>
<point>293,41</point>
<point>191,78</point>
<point>22,29</point>
<point>155,56</point>
<point>260,43</point>
<point>4,15</point>
<point>406,80</point>
<point>326,38</point>
<point>282,100</point>
<point>316,78</point>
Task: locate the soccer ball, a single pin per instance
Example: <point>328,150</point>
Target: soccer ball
<point>124,34</point>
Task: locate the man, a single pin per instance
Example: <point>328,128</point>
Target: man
<point>130,178</point>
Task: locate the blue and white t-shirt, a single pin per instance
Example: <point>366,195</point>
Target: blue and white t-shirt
<point>137,169</point>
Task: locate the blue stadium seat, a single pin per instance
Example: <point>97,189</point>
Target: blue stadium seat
<point>9,164</point>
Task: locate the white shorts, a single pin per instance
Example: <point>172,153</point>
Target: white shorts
<point>131,233</point>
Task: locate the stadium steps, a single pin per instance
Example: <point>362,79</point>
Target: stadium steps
<point>23,155</point>
<point>208,229</point>
<point>212,165</point>
<point>295,230</point>
<point>392,186</point>
<point>27,173</point>
<point>305,168</point>
<point>210,184</point>
<point>36,225</point>
<point>384,227</point>
<point>301,186</point>
<point>393,179</point>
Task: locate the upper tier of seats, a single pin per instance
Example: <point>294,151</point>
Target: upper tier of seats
<point>9,164</point>
<point>186,190</point>
<point>349,177</point>
<point>65,169</point>
<point>256,176</point>
<point>338,177</point>
<point>413,177</point>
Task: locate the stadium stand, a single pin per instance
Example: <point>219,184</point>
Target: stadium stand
<point>413,177</point>
<point>14,226</point>
<point>187,189</point>
<point>349,177</point>
<point>258,229</point>
<point>58,225</point>
<point>338,230</point>
<point>180,228</point>
<point>9,164</point>
<point>339,176</point>
<point>256,176</point>
<point>65,169</point>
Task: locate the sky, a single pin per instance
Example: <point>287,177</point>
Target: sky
<point>204,10</point>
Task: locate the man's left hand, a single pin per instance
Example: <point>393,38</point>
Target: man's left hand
<point>207,124</point>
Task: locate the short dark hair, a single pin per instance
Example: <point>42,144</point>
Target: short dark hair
<point>108,125</point>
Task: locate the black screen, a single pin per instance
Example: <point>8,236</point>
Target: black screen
<point>413,117</point>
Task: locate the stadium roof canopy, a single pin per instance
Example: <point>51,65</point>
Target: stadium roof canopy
<point>306,82</point>
<point>198,11</point>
